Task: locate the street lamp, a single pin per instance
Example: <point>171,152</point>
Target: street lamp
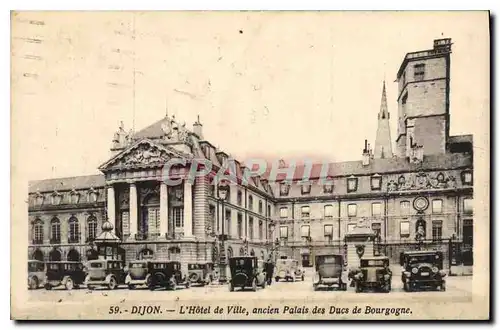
<point>222,193</point>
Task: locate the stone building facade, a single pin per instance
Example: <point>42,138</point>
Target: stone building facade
<point>422,193</point>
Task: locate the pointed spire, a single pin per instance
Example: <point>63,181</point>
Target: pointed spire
<point>383,143</point>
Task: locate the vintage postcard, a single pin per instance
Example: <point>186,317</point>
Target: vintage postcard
<point>250,165</point>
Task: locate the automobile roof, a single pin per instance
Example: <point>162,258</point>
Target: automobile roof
<point>375,258</point>
<point>329,255</point>
<point>421,252</point>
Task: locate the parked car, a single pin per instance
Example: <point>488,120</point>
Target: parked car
<point>109,273</point>
<point>423,269</point>
<point>246,271</point>
<point>36,274</point>
<point>330,271</point>
<point>373,273</point>
<point>167,274</point>
<point>289,270</point>
<point>70,274</point>
<point>201,273</point>
<point>138,274</point>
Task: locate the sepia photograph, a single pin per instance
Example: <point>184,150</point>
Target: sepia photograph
<point>248,165</point>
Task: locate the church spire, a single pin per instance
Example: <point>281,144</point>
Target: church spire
<point>383,144</point>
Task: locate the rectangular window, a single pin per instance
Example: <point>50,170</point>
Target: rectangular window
<point>437,206</point>
<point>283,212</point>
<point>240,225</point>
<point>376,182</point>
<point>305,212</point>
<point>328,211</point>
<point>177,215</point>
<point>468,205</point>
<point>283,231</point>
<point>350,227</point>
<point>228,223</point>
<point>376,209</point>
<point>351,210</point>
<point>125,223</point>
<point>419,72</point>
<point>305,231</point>
<point>250,225</point>
<point>404,208</point>
<point>328,230</point>
<point>404,229</point>
<point>250,203</point>
<point>239,198</point>
<point>437,230</point>
<point>261,207</point>
<point>261,230</point>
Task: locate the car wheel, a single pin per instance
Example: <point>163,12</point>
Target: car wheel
<point>343,286</point>
<point>387,287</point>
<point>173,284</point>
<point>131,287</point>
<point>231,286</point>
<point>302,278</point>
<point>443,286</point>
<point>358,287</point>
<point>315,287</point>
<point>187,284</point>
<point>254,285</point>
<point>112,283</point>
<point>277,279</point>
<point>263,284</point>
<point>292,279</point>
<point>90,287</point>
<point>48,287</point>
<point>406,287</point>
<point>69,284</point>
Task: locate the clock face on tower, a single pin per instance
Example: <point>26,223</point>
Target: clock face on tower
<point>421,204</point>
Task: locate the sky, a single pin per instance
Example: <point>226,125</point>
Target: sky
<point>273,85</point>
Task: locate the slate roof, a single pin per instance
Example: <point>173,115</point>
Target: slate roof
<point>60,184</point>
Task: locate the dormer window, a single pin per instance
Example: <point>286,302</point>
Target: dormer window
<point>466,177</point>
<point>92,195</point>
<point>74,197</point>
<point>328,186</point>
<point>376,182</point>
<point>284,189</point>
<point>39,199</point>
<point>352,184</point>
<point>56,198</point>
<point>306,189</point>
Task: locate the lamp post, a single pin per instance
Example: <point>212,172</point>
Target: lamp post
<point>221,196</point>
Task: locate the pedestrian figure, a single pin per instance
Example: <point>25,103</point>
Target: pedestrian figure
<point>269,270</point>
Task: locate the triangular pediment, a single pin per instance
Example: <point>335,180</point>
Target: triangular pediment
<point>144,153</point>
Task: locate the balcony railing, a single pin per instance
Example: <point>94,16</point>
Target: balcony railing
<point>141,236</point>
<point>37,241</point>
<point>55,240</point>
<point>74,239</point>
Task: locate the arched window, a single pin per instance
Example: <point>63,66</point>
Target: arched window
<point>262,255</point>
<point>242,251</point>
<point>37,255</point>
<point>91,228</point>
<point>145,254</point>
<point>55,255</point>
<point>250,203</point>
<point>74,230</point>
<point>229,252</point>
<point>73,255</point>
<point>252,253</point>
<point>38,232</point>
<point>55,231</point>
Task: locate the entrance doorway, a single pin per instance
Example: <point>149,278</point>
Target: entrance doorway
<point>468,241</point>
<point>306,260</point>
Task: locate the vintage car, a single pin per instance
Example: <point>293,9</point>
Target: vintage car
<point>138,274</point>
<point>289,270</point>
<point>246,271</point>
<point>70,274</point>
<point>373,274</point>
<point>166,274</point>
<point>330,271</point>
<point>108,273</point>
<point>422,269</point>
<point>36,274</point>
<point>201,273</point>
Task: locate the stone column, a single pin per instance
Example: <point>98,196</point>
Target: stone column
<point>111,206</point>
<point>188,209</point>
<point>132,215</point>
<point>163,209</point>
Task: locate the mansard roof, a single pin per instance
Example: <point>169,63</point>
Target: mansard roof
<point>61,184</point>
<point>153,131</point>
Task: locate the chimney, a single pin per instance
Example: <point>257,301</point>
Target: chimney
<point>198,128</point>
<point>366,154</point>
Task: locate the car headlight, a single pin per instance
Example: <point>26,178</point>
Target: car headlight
<point>414,270</point>
<point>435,269</point>
<point>387,276</point>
